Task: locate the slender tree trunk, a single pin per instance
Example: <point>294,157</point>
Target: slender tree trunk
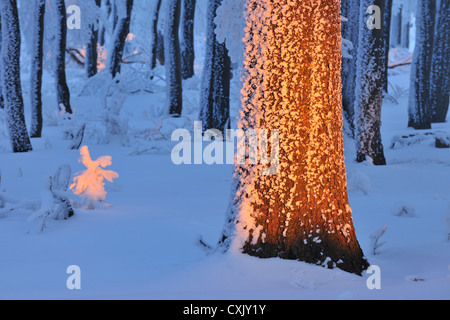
<point>10,69</point>
<point>173,59</point>
<point>121,32</point>
<point>215,94</point>
<point>36,69</point>
<point>187,39</point>
<point>106,7</point>
<point>369,88</point>
<point>2,102</point>
<point>396,31</point>
<point>387,39</point>
<point>62,90</point>
<point>419,111</point>
<point>302,211</point>
<point>155,40</point>
<point>440,70</point>
<point>350,31</point>
<point>91,49</point>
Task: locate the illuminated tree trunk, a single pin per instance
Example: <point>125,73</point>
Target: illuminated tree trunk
<point>293,84</point>
<point>369,87</point>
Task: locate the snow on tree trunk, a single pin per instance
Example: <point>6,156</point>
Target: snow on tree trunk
<point>350,31</point>
<point>106,8</point>
<point>440,70</point>
<point>62,90</point>
<point>369,86</point>
<point>91,48</point>
<point>36,69</point>
<point>187,39</point>
<point>173,58</point>
<point>121,31</point>
<point>154,34</point>
<point>2,102</point>
<point>396,26</point>
<point>387,40</point>
<point>10,69</point>
<point>419,111</point>
<point>215,92</point>
<point>292,84</point>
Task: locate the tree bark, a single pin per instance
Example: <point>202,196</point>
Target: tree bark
<point>419,111</point>
<point>215,93</point>
<point>187,39</point>
<point>440,69</point>
<point>10,69</point>
<point>155,38</point>
<point>121,31</point>
<point>2,102</point>
<point>302,211</point>
<point>350,31</point>
<point>36,69</point>
<point>62,90</point>
<point>369,88</point>
<point>387,39</point>
<point>91,49</point>
<point>173,59</point>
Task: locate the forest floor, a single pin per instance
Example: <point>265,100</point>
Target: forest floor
<point>146,245</point>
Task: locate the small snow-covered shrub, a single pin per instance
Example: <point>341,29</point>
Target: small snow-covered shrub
<point>359,182</point>
<point>375,240</point>
<point>404,210</point>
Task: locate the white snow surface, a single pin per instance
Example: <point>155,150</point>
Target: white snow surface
<point>145,246</point>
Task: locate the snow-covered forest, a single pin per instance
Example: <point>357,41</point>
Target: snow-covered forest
<point>224,149</point>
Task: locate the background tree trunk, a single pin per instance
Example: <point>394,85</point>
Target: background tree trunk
<point>155,40</point>
<point>121,31</point>
<point>350,31</point>
<point>2,102</point>
<point>419,111</point>
<point>62,90</point>
<point>301,212</point>
<point>187,39</point>
<point>91,49</point>
<point>440,69</point>
<point>369,87</point>
<point>10,69</point>
<point>387,39</point>
<point>215,92</point>
<point>173,59</point>
<point>36,69</point>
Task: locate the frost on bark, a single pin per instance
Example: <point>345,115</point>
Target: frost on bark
<point>369,87</point>
<point>350,31</point>
<point>419,110</point>
<point>62,90</point>
<point>121,31</point>
<point>173,58</point>
<point>292,84</point>
<point>2,102</point>
<point>36,69</point>
<point>154,35</point>
<point>187,39</point>
<point>440,69</point>
<point>91,48</point>
<point>10,69</point>
<point>215,92</point>
<point>387,39</point>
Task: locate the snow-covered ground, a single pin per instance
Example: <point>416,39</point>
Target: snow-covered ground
<point>146,245</point>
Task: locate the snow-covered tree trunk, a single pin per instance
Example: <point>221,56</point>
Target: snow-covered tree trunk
<point>36,69</point>
<point>292,84</point>
<point>215,92</point>
<point>440,70</point>
<point>369,86</point>
<point>2,102</point>
<point>173,58</point>
<point>154,34</point>
<point>10,69</point>
<point>396,26</point>
<point>419,111</point>
<point>187,39</point>
<point>62,90</point>
<point>350,32</point>
<point>106,8</point>
<point>91,48</point>
<point>121,31</point>
<point>387,40</point>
